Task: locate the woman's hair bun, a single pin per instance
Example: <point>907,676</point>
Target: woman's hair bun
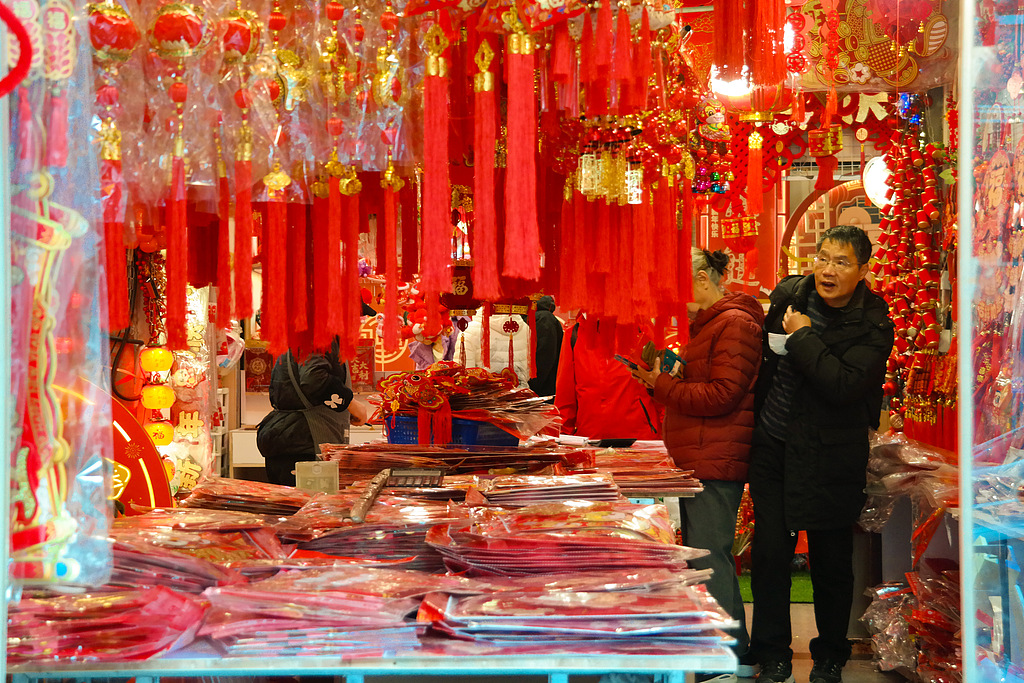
<point>718,260</point>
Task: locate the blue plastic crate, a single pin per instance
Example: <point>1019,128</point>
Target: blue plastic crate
<point>404,429</point>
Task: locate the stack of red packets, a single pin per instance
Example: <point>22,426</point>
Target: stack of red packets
<point>520,490</point>
<point>221,493</point>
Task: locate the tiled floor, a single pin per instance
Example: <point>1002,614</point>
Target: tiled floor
<point>856,671</point>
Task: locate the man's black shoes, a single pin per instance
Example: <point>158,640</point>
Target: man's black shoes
<point>827,671</point>
<point>777,672</point>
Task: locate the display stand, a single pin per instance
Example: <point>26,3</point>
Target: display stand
<point>199,661</point>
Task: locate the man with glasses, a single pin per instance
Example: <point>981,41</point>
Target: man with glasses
<point>827,339</point>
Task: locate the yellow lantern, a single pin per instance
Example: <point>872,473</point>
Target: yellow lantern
<point>156,359</point>
<point>157,396</point>
<point>162,433</point>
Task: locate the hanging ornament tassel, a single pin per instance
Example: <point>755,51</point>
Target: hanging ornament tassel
<point>225,298</point>
<point>113,219</point>
<point>567,224</point>
<point>511,347</point>
<point>644,64</point>
<point>437,229</point>
<point>352,297</point>
<point>831,104</point>
<point>667,238</point>
<point>797,111</point>
<point>767,61</point>
<point>441,423</point>
<point>424,425</point>
<point>642,229</point>
<point>588,52</point>
<point>603,252</point>
<point>297,239</point>
<point>522,231</point>
<point>391,186</point>
<point>604,38</point>
<point>561,53</point>
<point>755,169</point>
<point>322,335</point>
<point>485,132</point>
<point>57,131</point>
<point>622,68</point>
<point>177,256</point>
<point>410,230</point>
<point>827,166</point>
<point>243,226</point>
<point>485,336</point>
<point>730,19</point>
<point>275,261</point>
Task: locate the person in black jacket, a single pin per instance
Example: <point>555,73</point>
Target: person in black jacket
<point>312,404</point>
<point>549,347</point>
<point>827,339</point>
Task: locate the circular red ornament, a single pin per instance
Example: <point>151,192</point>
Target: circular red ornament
<point>178,30</point>
<point>107,96</point>
<point>335,126</point>
<point>510,327</point>
<point>389,21</point>
<point>358,32</point>
<point>178,92</point>
<point>240,35</point>
<point>243,98</point>
<point>335,11</point>
<point>277,21</point>
<point>111,31</point>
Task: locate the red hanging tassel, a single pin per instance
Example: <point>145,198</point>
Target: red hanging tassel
<point>603,251</point>
<point>485,336</point>
<point>512,357</point>
<point>424,426</point>
<point>351,301</point>
<point>588,52</point>
<point>441,423</point>
<point>659,77</point>
<point>826,173</point>
<point>603,38</point>
<point>334,318</point>
<point>433,325</point>
<point>177,258</point>
<point>57,131</point>
<point>644,64</point>
<point>297,240</point>
<point>462,350</point>
<point>275,274</point>
<point>797,111</point>
<point>755,168</point>
<point>410,230</point>
<point>522,232</point>
<point>667,239</point>
<point>322,298</point>
<point>224,295</point>
<point>579,253</point>
<point>622,70</point>
<point>642,229</point>
<point>730,20</point>
<point>113,242</point>
<point>485,132</point>
<point>767,62</point>
<point>565,270</point>
<point>561,53</point>
<point>436,258</point>
<point>243,239</point>
<point>830,107</point>
<point>532,324</point>
<point>391,270</point>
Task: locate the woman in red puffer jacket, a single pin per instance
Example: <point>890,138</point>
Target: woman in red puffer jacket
<point>709,419</point>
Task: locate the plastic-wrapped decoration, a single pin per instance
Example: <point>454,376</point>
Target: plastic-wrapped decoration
<point>60,461</point>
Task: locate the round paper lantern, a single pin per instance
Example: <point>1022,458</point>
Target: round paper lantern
<point>162,433</point>
<point>156,359</point>
<point>178,30</point>
<point>111,31</point>
<point>240,35</point>
<point>157,396</point>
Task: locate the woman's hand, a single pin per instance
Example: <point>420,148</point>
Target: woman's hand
<point>648,377</point>
<point>358,412</point>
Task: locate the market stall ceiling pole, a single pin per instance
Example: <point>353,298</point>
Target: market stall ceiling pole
<point>5,355</point>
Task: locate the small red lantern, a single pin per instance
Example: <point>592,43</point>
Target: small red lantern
<point>156,359</point>
<point>241,33</point>
<point>178,31</point>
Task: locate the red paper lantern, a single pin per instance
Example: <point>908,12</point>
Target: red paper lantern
<point>111,31</point>
<point>241,32</point>
<point>178,31</point>
<point>156,359</point>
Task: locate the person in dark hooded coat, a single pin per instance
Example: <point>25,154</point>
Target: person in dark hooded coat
<point>549,347</point>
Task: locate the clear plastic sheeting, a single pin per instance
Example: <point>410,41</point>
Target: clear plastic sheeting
<point>60,386</point>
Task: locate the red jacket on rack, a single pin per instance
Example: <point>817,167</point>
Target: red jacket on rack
<point>709,408</point>
<point>596,395</point>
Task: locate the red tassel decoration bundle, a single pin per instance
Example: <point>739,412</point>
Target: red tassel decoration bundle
<point>644,68</point>
<point>567,224</point>
<point>603,256</point>
<point>522,231</point>
<point>410,230</point>
<point>730,17</point>
<point>603,39</point>
<point>667,239</point>
<point>424,426</point>
<point>275,264</point>
<point>588,50</point>
<point>177,257</point>
<point>644,257</point>
<point>351,296</point>
<point>297,240</point>
<point>755,169</point>
<point>562,54</point>
<point>435,263</point>
<point>827,166</point>
<point>224,295</point>
<point>322,334</point>
<point>243,213</point>
<point>767,59</point>
<point>391,261</point>
<point>578,252</point>
<point>485,132</point>
<point>441,423</point>
<point>113,221</point>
